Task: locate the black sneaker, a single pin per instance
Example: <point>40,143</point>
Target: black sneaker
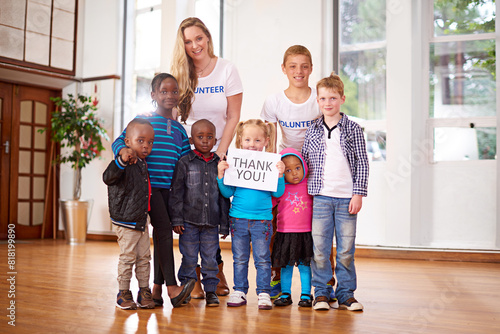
<point>125,301</point>
<point>211,299</point>
<point>305,300</point>
<point>284,300</point>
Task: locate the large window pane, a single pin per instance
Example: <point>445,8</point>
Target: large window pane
<point>463,17</point>
<point>363,74</point>
<point>362,21</point>
<point>462,79</point>
<point>458,144</point>
<point>148,40</point>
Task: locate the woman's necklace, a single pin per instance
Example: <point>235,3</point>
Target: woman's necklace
<point>201,72</point>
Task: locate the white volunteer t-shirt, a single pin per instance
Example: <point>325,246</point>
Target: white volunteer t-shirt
<point>293,118</point>
<point>337,177</point>
<point>210,97</point>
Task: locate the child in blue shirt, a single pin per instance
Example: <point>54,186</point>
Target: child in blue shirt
<point>250,217</point>
<point>171,143</point>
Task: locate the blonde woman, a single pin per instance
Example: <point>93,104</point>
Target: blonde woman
<point>210,88</point>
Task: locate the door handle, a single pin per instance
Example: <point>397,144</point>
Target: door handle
<point>7,146</point>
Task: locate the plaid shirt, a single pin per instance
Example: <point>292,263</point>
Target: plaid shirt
<point>352,142</point>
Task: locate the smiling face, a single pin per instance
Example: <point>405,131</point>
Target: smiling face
<point>196,43</point>
<point>329,102</point>
<point>166,94</point>
<point>297,68</point>
<point>253,138</point>
<point>294,171</point>
<point>140,138</point>
<point>203,137</point>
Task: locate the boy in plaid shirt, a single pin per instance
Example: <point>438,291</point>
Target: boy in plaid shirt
<point>335,151</point>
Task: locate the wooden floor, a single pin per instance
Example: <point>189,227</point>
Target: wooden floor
<point>72,289</point>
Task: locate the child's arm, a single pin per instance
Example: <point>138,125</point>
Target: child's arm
<point>224,216</point>
<point>281,188</point>
<point>355,204</point>
<point>115,170</point>
<point>120,149</point>
<point>226,191</point>
<point>305,148</point>
<point>360,183</point>
<point>176,198</point>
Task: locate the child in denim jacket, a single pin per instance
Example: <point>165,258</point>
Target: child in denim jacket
<point>198,211</point>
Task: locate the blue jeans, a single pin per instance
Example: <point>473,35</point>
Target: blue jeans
<point>257,232</point>
<point>331,215</point>
<point>203,240</point>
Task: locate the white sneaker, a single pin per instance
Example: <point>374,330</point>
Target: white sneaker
<point>265,301</point>
<point>237,298</point>
<point>351,305</point>
<point>321,304</point>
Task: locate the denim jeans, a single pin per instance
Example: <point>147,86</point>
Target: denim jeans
<point>331,216</point>
<point>203,240</point>
<point>257,232</point>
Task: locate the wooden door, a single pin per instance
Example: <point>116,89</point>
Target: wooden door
<point>27,162</point>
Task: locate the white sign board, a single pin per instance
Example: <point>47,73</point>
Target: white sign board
<point>252,169</point>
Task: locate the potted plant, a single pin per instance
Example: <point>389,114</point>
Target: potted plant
<point>75,126</point>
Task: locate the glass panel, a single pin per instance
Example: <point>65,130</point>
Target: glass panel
<point>462,80</point>
<point>38,213</point>
<point>40,139</point>
<point>39,163</point>
<point>40,113</point>
<point>458,144</point>
<point>38,188</point>
<point>363,74</point>
<point>362,21</point>
<point>463,17</point>
<point>23,214</point>
<point>25,136</point>
<point>148,37</point>
<point>24,187</point>
<point>376,145</point>
<point>146,3</point>
<point>26,111</point>
<point>24,161</point>
<point>209,12</point>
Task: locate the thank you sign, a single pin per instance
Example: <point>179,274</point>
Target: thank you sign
<point>252,169</point>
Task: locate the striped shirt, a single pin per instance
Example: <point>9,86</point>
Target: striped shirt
<point>352,142</point>
<point>171,143</point>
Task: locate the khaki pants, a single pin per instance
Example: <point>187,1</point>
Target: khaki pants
<point>134,249</point>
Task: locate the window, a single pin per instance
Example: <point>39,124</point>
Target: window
<point>362,58</point>
<point>462,80</point>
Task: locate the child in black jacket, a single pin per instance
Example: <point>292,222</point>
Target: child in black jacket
<point>129,192</point>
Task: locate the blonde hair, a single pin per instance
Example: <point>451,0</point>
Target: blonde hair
<point>183,67</point>
<point>268,128</point>
<point>297,50</point>
<point>332,82</point>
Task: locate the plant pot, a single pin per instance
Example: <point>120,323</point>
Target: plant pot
<point>76,217</point>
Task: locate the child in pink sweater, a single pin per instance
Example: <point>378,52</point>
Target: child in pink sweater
<point>293,244</point>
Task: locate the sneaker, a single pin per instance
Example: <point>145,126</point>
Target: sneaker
<point>145,299</point>
<point>321,303</point>
<point>125,301</point>
<point>265,301</point>
<point>275,289</point>
<point>305,300</point>
<point>284,300</point>
<point>351,305</point>
<point>237,298</point>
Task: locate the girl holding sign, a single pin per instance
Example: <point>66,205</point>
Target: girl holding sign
<point>250,217</point>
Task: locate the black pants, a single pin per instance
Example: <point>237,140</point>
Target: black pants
<point>163,253</point>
